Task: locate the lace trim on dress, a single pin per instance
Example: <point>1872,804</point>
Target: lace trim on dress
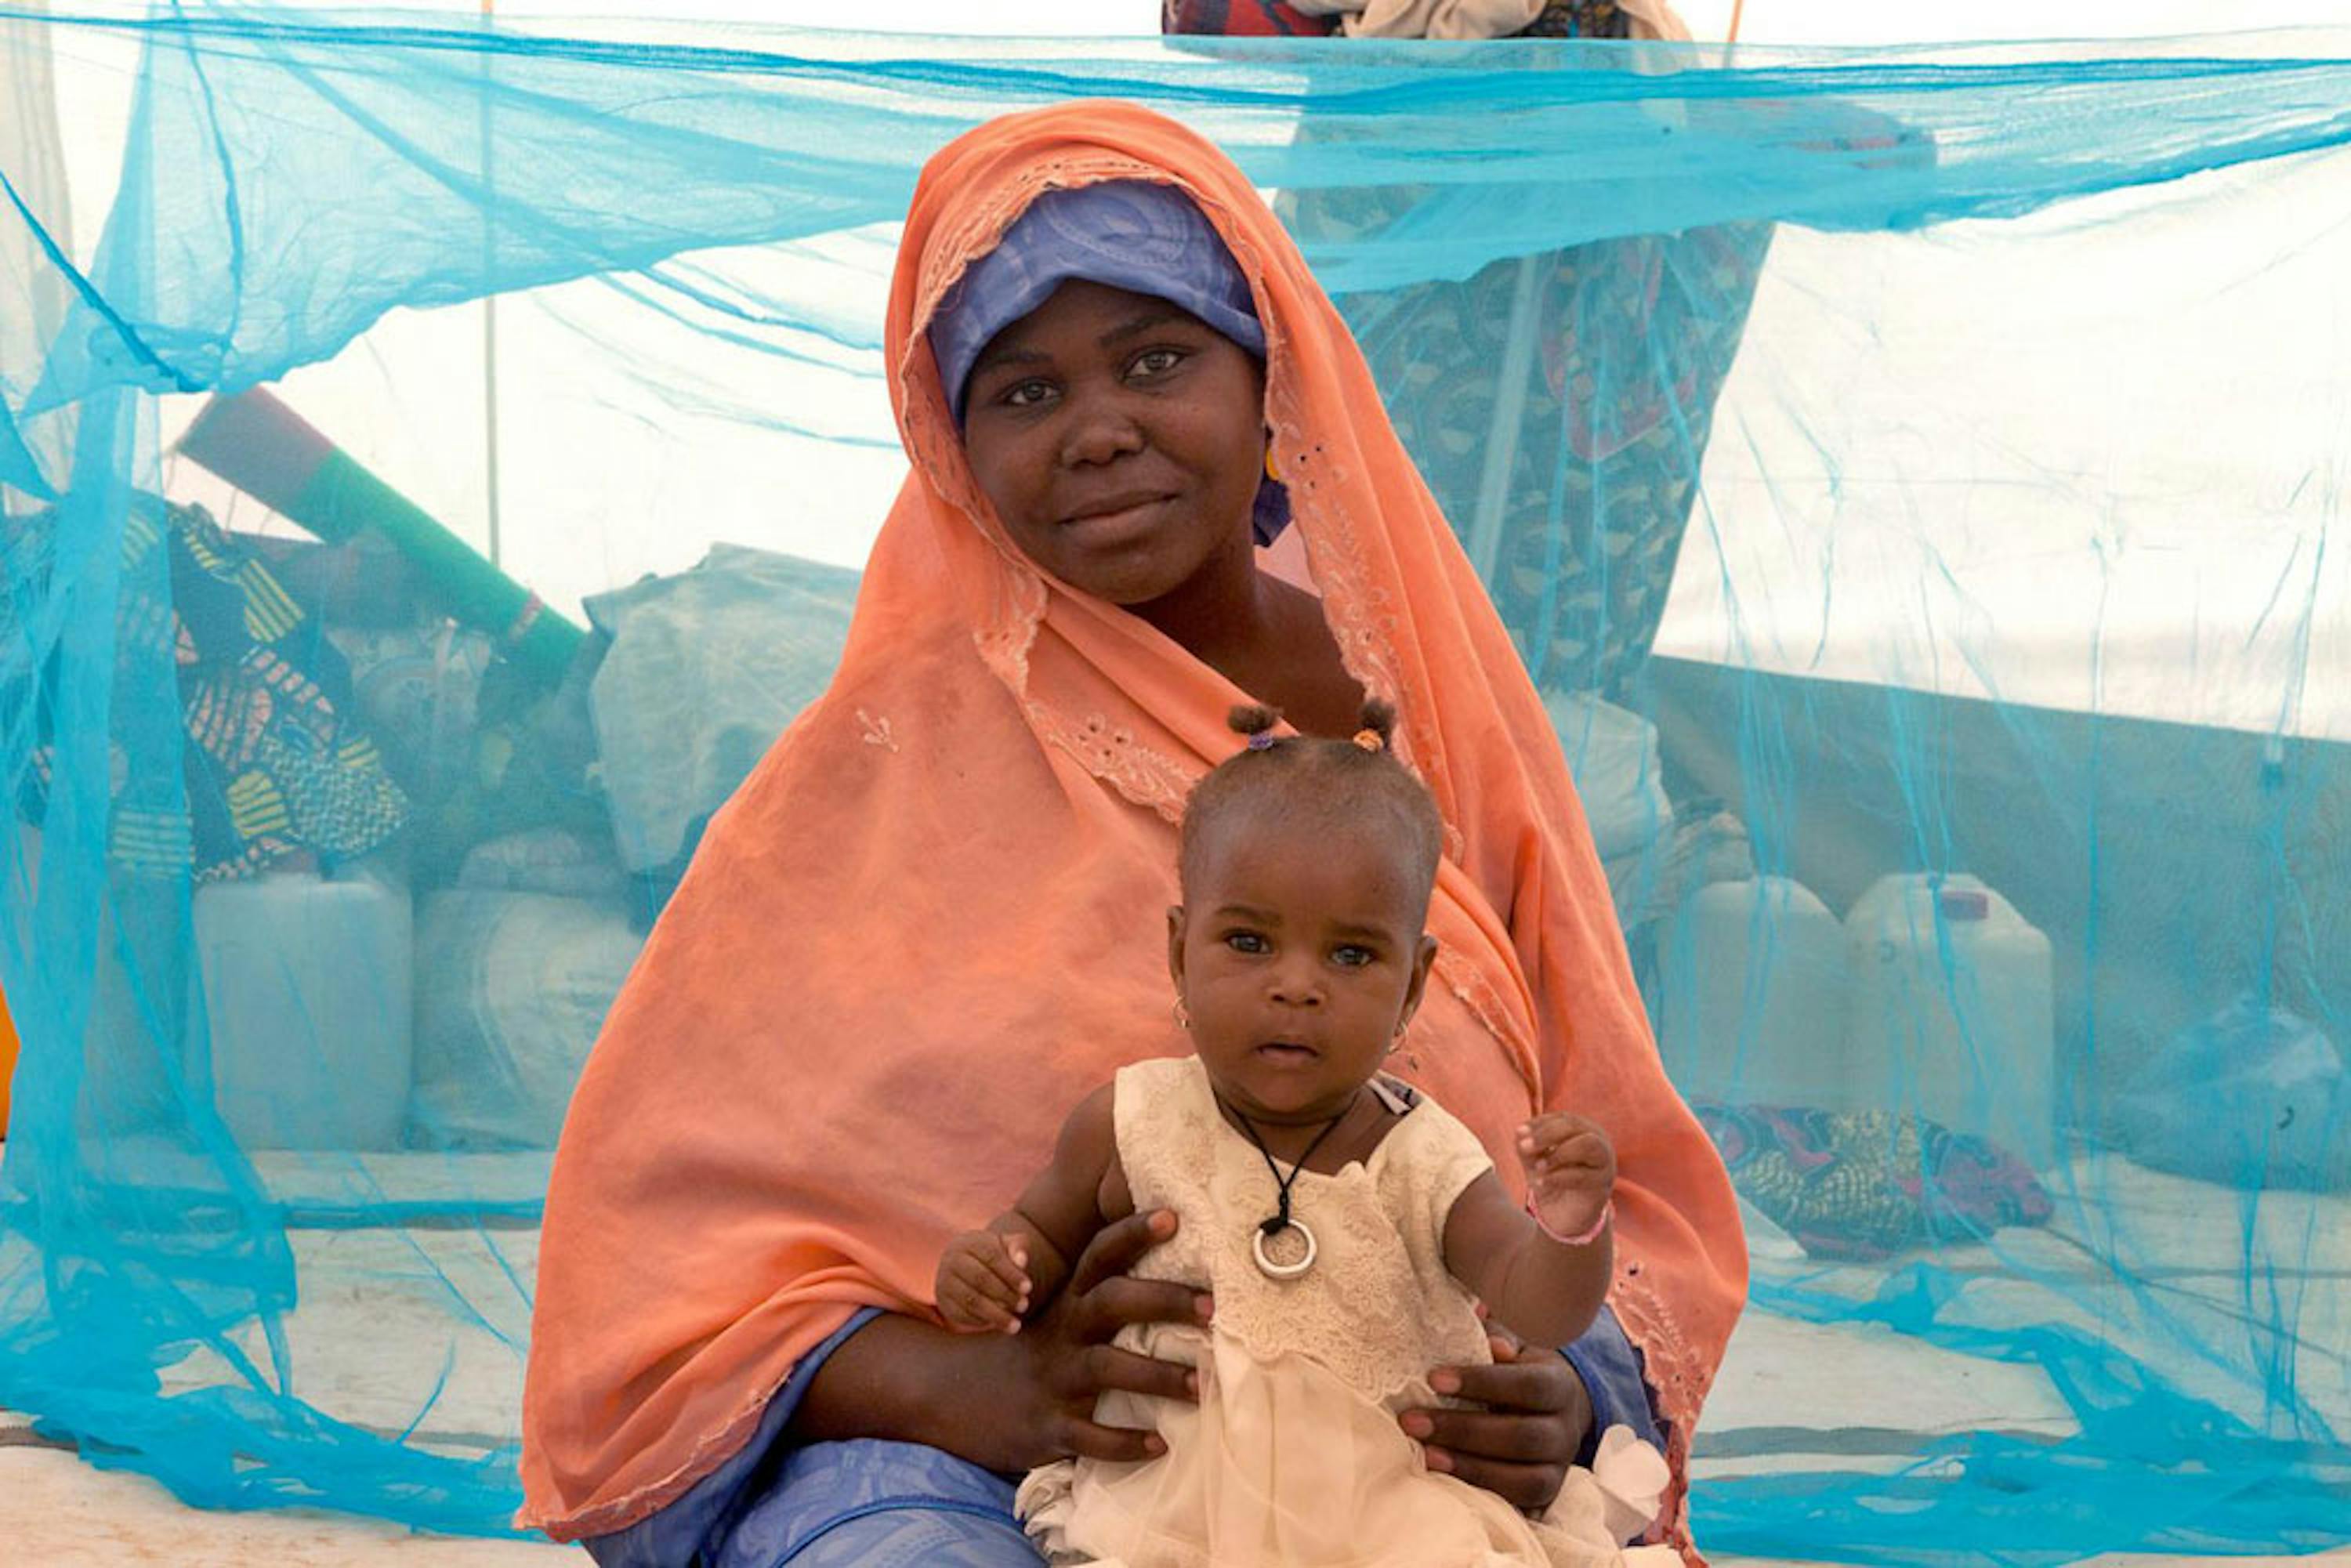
<point>1379,1308</point>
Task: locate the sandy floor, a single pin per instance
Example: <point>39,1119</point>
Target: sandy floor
<point>1792,1395</point>
<point>57,1512</point>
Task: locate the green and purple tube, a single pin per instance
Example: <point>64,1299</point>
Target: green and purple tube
<point>272,454</point>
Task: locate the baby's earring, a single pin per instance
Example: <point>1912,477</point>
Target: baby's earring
<point>1183,1015</point>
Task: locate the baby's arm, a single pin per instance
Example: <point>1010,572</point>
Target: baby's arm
<point>989,1280</point>
<point>1545,1290</point>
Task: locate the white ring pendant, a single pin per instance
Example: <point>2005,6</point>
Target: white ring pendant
<point>1281,1218</point>
<point>1266,1262</point>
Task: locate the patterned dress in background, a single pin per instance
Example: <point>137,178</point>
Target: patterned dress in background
<point>1272,19</point>
<point>1635,336</point>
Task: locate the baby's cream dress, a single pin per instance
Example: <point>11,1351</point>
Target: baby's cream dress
<point>1293,1458</point>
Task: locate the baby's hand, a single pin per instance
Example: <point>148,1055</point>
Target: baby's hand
<point>983,1284</point>
<point>1570,1170</point>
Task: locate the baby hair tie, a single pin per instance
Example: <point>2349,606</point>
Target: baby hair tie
<point>1368,740</point>
<point>1261,741</point>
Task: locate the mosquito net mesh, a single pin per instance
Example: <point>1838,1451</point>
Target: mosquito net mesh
<point>436,463</point>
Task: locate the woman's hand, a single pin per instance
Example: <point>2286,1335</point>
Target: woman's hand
<point>1012,1401</point>
<point>1535,1417</point>
<point>1062,1360</point>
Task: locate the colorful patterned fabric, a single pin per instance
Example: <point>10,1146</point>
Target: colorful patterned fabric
<point>1635,337</point>
<point>1579,19</point>
<point>1867,1184</point>
<point>1272,19</point>
<point>1241,19</point>
<point>273,762</point>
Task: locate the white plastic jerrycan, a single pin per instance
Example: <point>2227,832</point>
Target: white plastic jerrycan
<point>1952,1010</point>
<point>307,987</point>
<point>1754,993</point>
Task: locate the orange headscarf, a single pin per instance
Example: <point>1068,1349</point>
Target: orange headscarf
<point>931,919</point>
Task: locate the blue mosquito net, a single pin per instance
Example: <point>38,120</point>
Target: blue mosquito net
<point>436,461</point>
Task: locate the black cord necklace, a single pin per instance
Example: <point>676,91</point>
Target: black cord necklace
<point>1282,1219</point>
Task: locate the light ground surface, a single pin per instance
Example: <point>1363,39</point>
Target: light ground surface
<point>375,1328</point>
<point>57,1512</point>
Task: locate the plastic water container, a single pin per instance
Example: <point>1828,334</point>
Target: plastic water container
<point>1952,1010</point>
<point>1754,994</point>
<point>307,987</point>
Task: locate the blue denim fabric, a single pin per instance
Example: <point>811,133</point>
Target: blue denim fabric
<point>873,1504</point>
<point>1614,1379</point>
<point>691,1532</point>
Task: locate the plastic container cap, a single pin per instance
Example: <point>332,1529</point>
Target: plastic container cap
<point>1965,903</point>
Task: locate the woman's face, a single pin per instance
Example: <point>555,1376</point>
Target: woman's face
<point>1121,440</point>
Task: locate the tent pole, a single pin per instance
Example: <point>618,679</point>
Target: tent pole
<point>1502,433</point>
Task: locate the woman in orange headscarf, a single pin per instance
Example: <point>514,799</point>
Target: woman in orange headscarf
<point>930,920</point>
